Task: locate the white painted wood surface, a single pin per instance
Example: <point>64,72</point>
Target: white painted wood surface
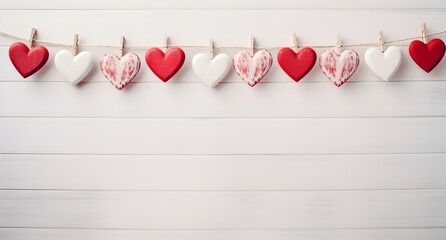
<point>223,135</point>
<point>223,210</point>
<point>322,99</point>
<point>229,4</point>
<point>320,234</point>
<point>223,172</point>
<point>178,160</point>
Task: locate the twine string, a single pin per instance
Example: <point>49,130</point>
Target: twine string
<point>142,47</point>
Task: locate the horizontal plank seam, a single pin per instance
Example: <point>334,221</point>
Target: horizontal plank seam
<point>322,81</point>
<point>6,45</point>
<point>220,117</point>
<point>220,190</point>
<point>221,154</point>
<point>221,229</point>
<point>300,9</point>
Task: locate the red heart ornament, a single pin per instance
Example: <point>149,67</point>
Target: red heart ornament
<point>296,65</point>
<point>427,56</point>
<point>165,65</point>
<point>120,71</point>
<point>26,61</point>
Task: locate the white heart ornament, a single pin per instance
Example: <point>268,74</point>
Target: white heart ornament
<point>384,64</point>
<point>252,68</point>
<point>339,68</point>
<point>211,71</point>
<point>73,68</point>
<point>120,71</point>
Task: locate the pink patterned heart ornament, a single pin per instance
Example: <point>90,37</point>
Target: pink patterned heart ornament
<point>339,68</point>
<point>120,71</point>
<point>252,68</point>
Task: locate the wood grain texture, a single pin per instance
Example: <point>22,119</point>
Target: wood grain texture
<point>223,210</point>
<point>394,24</point>
<point>223,172</point>
<point>223,136</point>
<point>319,234</point>
<point>280,161</point>
<point>229,4</point>
<point>372,99</point>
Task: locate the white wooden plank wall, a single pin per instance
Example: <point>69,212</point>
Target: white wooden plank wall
<point>178,160</point>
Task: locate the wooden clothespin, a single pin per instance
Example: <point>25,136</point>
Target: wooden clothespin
<point>166,41</point>
<point>252,45</point>
<point>121,47</point>
<point>75,44</point>
<point>338,44</point>
<point>295,46</point>
<point>211,48</point>
<point>32,37</point>
<point>423,33</point>
<point>381,41</point>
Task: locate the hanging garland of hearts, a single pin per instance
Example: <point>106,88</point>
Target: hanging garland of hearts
<point>251,66</point>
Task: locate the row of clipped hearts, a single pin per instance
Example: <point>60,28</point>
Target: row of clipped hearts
<point>251,68</point>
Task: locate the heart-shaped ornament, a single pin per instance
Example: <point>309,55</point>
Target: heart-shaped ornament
<point>120,71</point>
<point>73,68</point>
<point>211,71</point>
<point>296,65</point>
<point>339,68</point>
<point>384,64</point>
<point>165,65</point>
<point>27,61</point>
<point>252,68</point>
<point>427,56</point>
